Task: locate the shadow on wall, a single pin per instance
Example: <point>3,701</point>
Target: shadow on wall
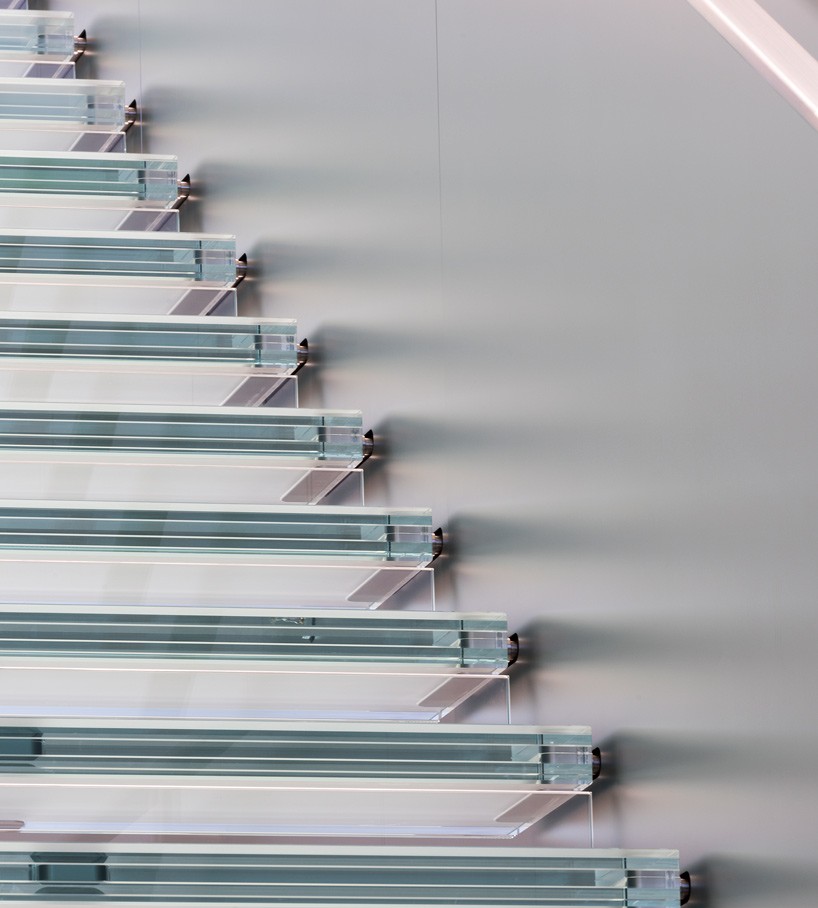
<point>753,881</point>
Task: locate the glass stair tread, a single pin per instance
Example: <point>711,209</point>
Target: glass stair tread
<point>124,255</point>
<point>330,875</point>
<point>37,33</point>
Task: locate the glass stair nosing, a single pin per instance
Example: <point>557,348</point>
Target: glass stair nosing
<point>308,437</point>
<point>116,178</point>
<point>352,535</point>
<point>37,33</point>
<point>194,751</point>
<point>84,105</point>
<point>192,258</point>
<point>323,876</point>
<point>256,343</point>
<point>342,639</point>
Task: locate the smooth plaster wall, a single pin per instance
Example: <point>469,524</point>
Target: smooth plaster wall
<point>562,253</point>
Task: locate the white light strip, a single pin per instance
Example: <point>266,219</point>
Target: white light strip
<point>769,48</point>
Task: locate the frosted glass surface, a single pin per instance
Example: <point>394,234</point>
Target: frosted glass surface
<point>150,383</point>
<point>343,875</point>
<point>132,254</point>
<point>111,295</point>
<point>235,689</point>
<point>217,479</point>
<point>133,177</point>
<point>63,103</point>
<point>103,578</point>
<point>316,636</point>
<point>252,342</point>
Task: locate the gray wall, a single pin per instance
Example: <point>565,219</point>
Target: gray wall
<point>563,256</point>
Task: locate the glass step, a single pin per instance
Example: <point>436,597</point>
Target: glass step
<point>211,455</point>
<point>265,343</point>
<point>356,535</point>
<point>49,34</point>
<point>62,104</point>
<point>170,257</point>
<point>133,178</point>
<point>246,664</point>
<point>306,778</point>
<point>203,361</point>
<point>334,875</point>
<point>103,296</point>
<point>394,639</point>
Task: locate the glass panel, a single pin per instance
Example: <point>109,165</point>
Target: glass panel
<point>341,875</point>
<point>171,256</point>
<point>37,33</point>
<point>558,756</point>
<point>199,687</point>
<point>356,534</point>
<point>102,578</point>
<point>111,295</point>
<point>133,177</point>
<point>251,342</point>
<point>63,103</point>
<point>316,636</point>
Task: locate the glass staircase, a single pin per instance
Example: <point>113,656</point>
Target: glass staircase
<point>211,648</point>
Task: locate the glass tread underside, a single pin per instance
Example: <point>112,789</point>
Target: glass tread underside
<point>369,534</point>
<point>454,641</point>
<point>113,176</point>
<point>207,339</point>
<point>176,256</point>
<point>318,876</point>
